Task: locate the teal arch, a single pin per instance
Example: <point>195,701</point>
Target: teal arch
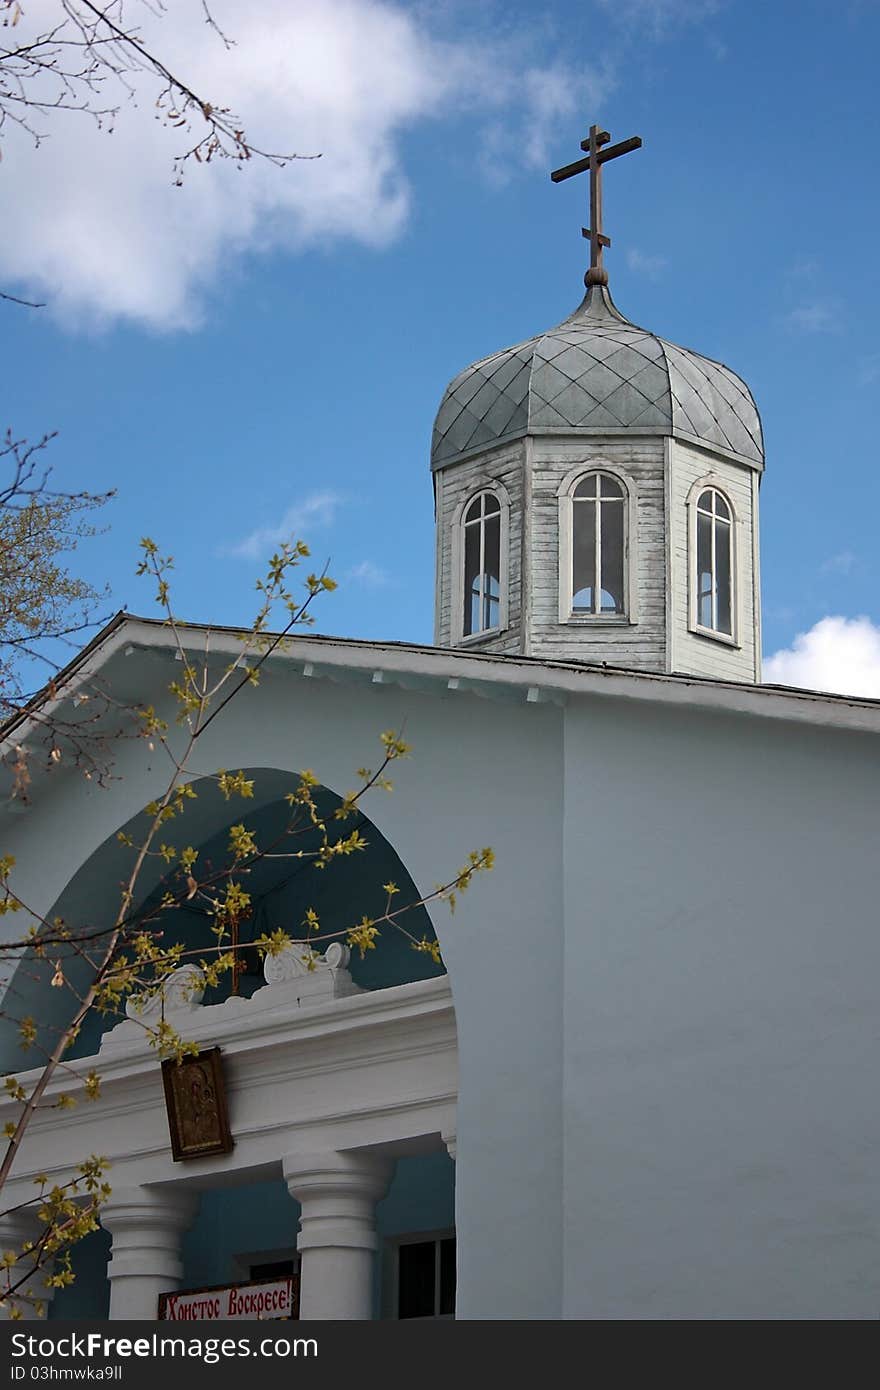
<point>281,889</point>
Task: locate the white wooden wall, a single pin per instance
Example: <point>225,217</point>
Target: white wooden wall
<point>640,645</point>
<point>455,486</point>
<point>661,473</point>
<point>691,653</point>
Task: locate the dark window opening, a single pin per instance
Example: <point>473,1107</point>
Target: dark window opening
<point>598,546</point>
<point>482,565</point>
<point>714,564</point>
<point>426,1278</point>
<point>273,1269</point>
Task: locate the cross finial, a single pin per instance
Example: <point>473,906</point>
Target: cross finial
<point>596,157</point>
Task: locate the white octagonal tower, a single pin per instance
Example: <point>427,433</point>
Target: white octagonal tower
<point>596,497</point>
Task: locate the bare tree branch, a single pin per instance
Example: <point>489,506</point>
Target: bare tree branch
<point>43,607</point>
<point>26,303</point>
<point>70,65</point>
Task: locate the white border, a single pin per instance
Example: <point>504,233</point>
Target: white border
<point>711,480</point>
<point>629,616</point>
<point>456,617</point>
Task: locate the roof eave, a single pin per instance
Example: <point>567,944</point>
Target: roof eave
<point>67,681</point>
<point>579,432</point>
<point>336,655</point>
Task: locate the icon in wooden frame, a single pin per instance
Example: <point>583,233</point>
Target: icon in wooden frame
<point>195,1099</point>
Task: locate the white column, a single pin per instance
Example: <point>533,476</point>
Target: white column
<point>450,1139</point>
<point>17,1227</point>
<point>337,1193</point>
<point>147,1225</point>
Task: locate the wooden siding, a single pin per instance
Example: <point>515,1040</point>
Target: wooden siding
<point>692,654</point>
<point>661,472</point>
<point>640,645</point>
<point>459,483</point>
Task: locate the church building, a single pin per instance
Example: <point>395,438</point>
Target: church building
<point>641,1084</point>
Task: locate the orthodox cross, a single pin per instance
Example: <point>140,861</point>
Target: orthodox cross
<point>596,157</point>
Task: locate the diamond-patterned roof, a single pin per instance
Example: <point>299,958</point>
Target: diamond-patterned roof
<point>595,372</point>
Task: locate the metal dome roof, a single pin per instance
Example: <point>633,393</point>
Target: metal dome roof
<point>596,373</point>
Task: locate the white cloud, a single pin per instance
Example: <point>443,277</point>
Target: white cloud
<point>843,563</point>
<point>369,575</point>
<point>644,264</point>
<point>300,520</point>
<point>93,224</point>
<point>543,97</point>
<point>660,16</point>
<point>840,655</point>
<point>823,316</point>
<point>869,370</point>
<point>552,94</point>
<point>804,268</point>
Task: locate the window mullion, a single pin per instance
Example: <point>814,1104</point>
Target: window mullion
<point>597,586</point>
<point>624,558</point>
<point>482,573</point>
<point>574,514</point>
<point>713,571</point>
<point>728,532</point>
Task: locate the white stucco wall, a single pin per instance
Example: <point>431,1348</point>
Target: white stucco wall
<point>722,984</point>
<point>461,790</point>
<point>666,993</point>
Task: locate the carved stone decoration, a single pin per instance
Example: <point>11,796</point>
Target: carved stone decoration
<point>182,990</point>
<point>297,961</point>
<point>315,976</point>
<point>291,963</point>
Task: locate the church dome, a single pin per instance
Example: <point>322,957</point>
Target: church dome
<point>596,373</point>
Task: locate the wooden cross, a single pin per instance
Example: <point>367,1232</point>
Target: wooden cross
<point>596,157</point>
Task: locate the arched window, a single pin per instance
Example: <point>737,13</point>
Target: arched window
<point>598,546</point>
<point>713,589</point>
<point>481,525</point>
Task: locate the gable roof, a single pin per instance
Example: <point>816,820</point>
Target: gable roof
<point>412,665</point>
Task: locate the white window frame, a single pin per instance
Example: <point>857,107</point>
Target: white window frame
<point>393,1244</point>
<point>565,495</point>
<point>714,484</point>
<point>459,637</point>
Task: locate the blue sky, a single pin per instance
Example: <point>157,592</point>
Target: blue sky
<point>267,348</point>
